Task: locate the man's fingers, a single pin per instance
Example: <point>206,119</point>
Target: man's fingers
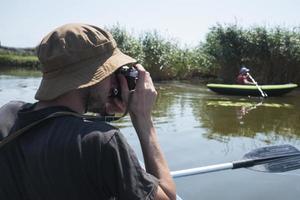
<point>123,82</point>
<point>144,95</point>
<point>148,76</point>
<point>142,76</point>
<point>140,67</point>
<point>141,80</point>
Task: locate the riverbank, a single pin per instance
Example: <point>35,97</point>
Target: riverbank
<point>20,72</point>
<point>271,54</point>
<point>18,58</point>
<point>23,62</point>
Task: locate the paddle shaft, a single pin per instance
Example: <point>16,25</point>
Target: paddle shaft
<point>263,94</point>
<point>230,165</point>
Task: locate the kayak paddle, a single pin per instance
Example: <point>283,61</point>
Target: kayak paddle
<point>274,159</point>
<point>263,94</point>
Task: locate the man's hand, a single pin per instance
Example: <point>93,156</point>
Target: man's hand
<point>143,97</point>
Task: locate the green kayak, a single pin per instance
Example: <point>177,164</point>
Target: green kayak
<point>251,90</point>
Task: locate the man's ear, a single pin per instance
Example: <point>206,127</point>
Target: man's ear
<point>84,92</point>
<point>85,96</point>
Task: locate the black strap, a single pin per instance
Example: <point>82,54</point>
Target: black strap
<point>19,132</point>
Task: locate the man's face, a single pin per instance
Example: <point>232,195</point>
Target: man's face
<point>100,95</point>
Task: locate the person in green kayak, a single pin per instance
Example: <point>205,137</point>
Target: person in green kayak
<point>244,77</point>
<point>68,155</point>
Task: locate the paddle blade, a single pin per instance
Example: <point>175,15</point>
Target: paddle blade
<point>275,159</point>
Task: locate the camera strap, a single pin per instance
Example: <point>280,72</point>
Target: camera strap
<point>14,135</point>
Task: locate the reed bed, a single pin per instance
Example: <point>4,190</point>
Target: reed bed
<point>272,54</point>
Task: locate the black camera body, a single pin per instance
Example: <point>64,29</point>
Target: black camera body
<point>131,75</point>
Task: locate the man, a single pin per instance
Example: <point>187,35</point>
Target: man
<point>243,77</point>
<point>73,157</point>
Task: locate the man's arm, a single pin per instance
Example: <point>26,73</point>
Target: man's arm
<point>155,162</point>
<point>140,109</point>
<point>247,81</point>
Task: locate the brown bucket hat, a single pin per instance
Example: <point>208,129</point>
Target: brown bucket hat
<point>76,56</point>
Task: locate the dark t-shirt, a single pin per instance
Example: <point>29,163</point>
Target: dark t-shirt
<point>69,158</point>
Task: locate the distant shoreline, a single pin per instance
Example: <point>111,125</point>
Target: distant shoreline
<point>271,54</point>
<point>23,62</point>
<point>24,58</point>
<point>29,50</point>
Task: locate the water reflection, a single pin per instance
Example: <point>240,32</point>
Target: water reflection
<point>248,117</point>
<point>244,109</point>
<point>229,116</point>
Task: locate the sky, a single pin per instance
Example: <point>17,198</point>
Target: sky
<point>23,23</point>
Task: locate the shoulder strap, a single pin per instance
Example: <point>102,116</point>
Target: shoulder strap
<point>19,132</point>
<point>8,115</point>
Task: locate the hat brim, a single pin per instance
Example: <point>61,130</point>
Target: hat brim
<point>81,75</point>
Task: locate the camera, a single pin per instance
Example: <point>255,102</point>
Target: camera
<point>131,75</point>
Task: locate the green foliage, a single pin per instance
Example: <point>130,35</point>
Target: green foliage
<point>29,62</point>
<point>127,43</point>
<point>225,47</point>
<point>162,57</point>
<point>273,55</point>
<point>158,55</point>
<point>22,72</point>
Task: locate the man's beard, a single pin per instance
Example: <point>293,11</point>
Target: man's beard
<point>95,105</point>
<point>97,110</point>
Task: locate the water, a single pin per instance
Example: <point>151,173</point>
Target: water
<point>197,127</point>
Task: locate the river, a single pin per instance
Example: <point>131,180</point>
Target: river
<point>197,127</point>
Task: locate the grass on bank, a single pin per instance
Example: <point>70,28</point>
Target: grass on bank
<point>29,62</point>
<point>21,72</point>
<point>272,54</point>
